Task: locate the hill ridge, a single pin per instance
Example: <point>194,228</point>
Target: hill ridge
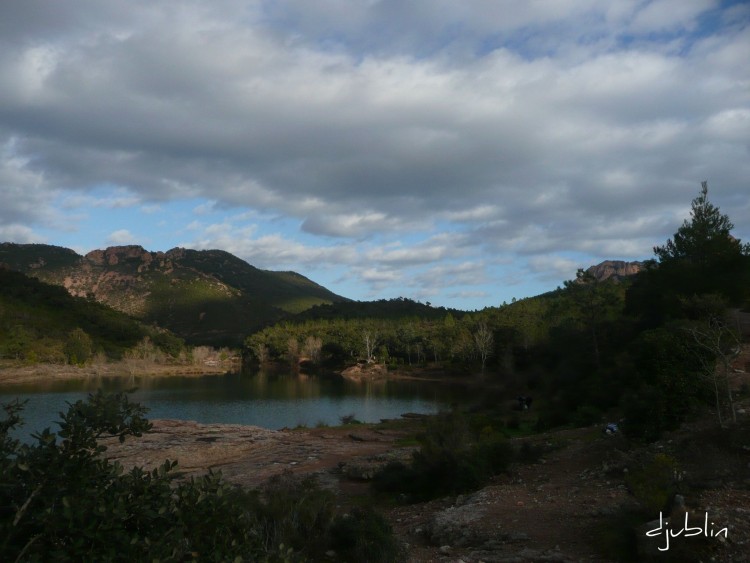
<point>205,296</point>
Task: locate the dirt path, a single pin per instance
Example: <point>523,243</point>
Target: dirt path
<point>551,510</point>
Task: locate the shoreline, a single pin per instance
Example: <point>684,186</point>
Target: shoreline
<point>19,374</point>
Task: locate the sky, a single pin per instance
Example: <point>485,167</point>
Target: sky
<point>457,153</point>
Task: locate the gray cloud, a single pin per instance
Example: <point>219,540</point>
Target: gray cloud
<point>504,122</point>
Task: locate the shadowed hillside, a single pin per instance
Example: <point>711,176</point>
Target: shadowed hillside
<point>207,297</point>
<point>42,322</point>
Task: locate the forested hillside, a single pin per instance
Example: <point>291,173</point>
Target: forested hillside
<point>40,322</point>
<point>205,297</point>
<point>644,345</point>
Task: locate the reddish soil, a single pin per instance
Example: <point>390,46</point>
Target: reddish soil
<point>566,506</point>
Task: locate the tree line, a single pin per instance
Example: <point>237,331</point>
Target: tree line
<point>646,347</point>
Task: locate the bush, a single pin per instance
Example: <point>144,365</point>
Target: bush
<point>295,512</point>
<point>64,502</point>
<point>555,415</point>
<point>349,419</point>
<point>395,477</point>
<point>61,500</point>
<point>449,461</point>
<point>78,347</point>
<point>364,535</point>
<point>655,483</point>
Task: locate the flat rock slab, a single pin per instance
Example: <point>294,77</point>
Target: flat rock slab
<point>248,455</point>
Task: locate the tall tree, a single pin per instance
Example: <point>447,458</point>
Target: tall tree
<point>701,258</point>
<point>704,238</point>
<point>485,342</point>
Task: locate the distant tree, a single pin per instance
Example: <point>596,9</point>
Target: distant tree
<point>261,351</point>
<point>312,348</point>
<point>18,343</point>
<point>292,350</point>
<point>592,302</point>
<point>78,347</point>
<point>485,342</point>
<point>370,340</point>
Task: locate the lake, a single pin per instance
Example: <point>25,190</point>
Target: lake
<point>269,400</point>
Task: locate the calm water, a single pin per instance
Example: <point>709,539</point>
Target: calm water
<point>269,400</point>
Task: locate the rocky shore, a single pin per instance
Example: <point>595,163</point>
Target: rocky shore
<point>565,506</point>
<point>250,455</point>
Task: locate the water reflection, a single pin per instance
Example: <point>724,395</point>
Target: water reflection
<point>269,399</point>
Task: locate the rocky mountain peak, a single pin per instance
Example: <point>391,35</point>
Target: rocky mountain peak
<point>615,269</point>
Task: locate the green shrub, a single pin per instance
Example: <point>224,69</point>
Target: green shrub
<point>655,483</point>
<point>395,477</point>
<point>78,347</point>
<point>295,512</point>
<point>449,461</point>
<point>364,535</point>
<point>61,500</point>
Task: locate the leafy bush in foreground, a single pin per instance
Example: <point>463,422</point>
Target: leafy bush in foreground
<point>450,460</point>
<point>61,500</point>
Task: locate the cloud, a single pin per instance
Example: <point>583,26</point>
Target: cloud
<point>353,225</point>
<point>273,251</point>
<point>150,209</point>
<point>121,237</point>
<point>555,268</point>
<point>19,234</point>
<point>24,190</point>
<point>520,129</point>
<point>669,15</point>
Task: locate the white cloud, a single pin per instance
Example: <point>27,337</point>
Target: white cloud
<point>555,268</point>
<point>20,234</point>
<point>150,209</point>
<point>669,15</point>
<point>274,251</point>
<point>121,237</point>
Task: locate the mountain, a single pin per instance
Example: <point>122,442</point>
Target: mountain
<point>38,322</point>
<point>206,296</point>
<point>615,269</point>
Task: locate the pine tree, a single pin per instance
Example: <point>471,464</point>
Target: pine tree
<point>705,238</point>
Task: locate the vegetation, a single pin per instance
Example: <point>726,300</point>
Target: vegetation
<point>645,348</point>
<point>43,323</point>
<point>451,459</point>
<point>62,500</point>
<point>650,351</point>
<point>206,297</point>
